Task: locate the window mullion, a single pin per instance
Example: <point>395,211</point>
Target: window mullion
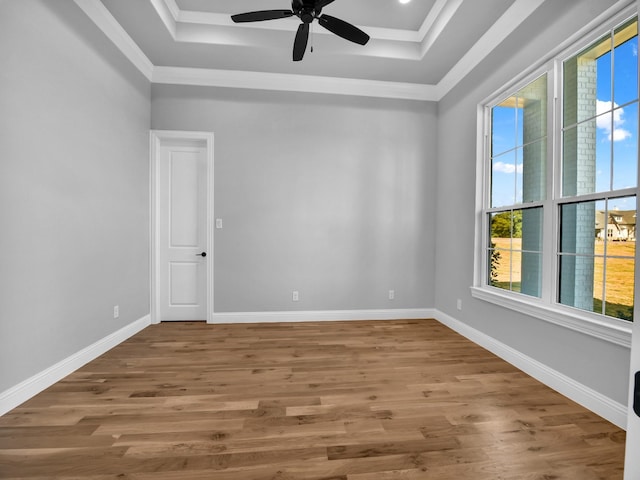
<point>612,123</point>
<point>550,223</point>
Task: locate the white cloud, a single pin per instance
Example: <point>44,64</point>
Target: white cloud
<point>506,167</point>
<point>603,122</point>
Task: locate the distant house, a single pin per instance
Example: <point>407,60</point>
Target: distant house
<point>620,225</point>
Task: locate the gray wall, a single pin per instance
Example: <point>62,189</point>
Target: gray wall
<point>74,160</point>
<point>331,196</point>
<point>340,198</point>
<point>597,364</point>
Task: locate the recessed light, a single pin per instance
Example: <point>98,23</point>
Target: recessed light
<point>404,1</point>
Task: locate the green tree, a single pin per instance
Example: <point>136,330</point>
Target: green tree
<point>495,261</point>
<point>503,223</point>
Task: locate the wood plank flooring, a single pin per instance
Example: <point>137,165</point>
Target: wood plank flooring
<point>384,400</point>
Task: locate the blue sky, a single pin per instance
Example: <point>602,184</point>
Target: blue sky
<point>616,131</point>
<point>622,132</point>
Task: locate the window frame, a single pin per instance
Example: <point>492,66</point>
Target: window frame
<point>487,173</point>
<point>546,307</point>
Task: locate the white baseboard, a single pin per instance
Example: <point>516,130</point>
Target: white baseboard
<point>15,396</point>
<point>598,403</point>
<point>322,315</point>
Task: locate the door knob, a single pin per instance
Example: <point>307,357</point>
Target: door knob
<point>203,254</point>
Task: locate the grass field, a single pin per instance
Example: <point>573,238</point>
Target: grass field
<point>619,273</point>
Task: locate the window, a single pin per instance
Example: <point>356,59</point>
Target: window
<point>596,256</point>
<point>518,165</point>
<point>560,184</point>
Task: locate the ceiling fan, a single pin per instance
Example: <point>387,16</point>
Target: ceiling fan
<point>307,11</point>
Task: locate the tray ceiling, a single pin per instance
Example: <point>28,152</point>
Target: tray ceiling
<point>418,50</point>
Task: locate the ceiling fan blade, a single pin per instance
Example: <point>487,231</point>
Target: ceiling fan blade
<point>261,16</point>
<point>343,29</point>
<point>323,3</point>
<point>300,44</point>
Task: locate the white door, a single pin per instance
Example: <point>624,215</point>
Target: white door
<point>632,460</point>
<point>182,235</point>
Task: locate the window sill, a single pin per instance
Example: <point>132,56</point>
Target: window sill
<point>607,329</point>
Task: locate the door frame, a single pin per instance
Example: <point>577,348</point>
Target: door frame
<point>632,462</point>
<point>158,138</point>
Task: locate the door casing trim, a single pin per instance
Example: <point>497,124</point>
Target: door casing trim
<point>157,139</point>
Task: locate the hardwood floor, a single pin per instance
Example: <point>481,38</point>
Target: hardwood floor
<point>384,400</point>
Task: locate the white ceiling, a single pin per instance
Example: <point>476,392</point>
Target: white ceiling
<point>418,50</point>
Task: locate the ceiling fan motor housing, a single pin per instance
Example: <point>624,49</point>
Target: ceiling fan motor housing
<point>306,10</point>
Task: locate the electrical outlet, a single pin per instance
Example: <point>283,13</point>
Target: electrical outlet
<point>392,294</point>
<point>295,296</point>
<point>459,304</point>
<point>116,311</point>
<point>218,223</point>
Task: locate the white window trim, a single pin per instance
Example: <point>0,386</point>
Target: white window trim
<point>605,328</point>
<point>609,329</point>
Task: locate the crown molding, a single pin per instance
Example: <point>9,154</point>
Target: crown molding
<point>103,19</point>
<point>499,31</point>
<point>168,12</point>
<point>431,18</point>
<point>435,23</point>
<point>440,14</point>
<point>505,25</point>
<point>284,24</point>
<point>173,7</point>
<point>293,83</point>
<point>438,18</point>
<point>97,12</point>
<point>432,27</point>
